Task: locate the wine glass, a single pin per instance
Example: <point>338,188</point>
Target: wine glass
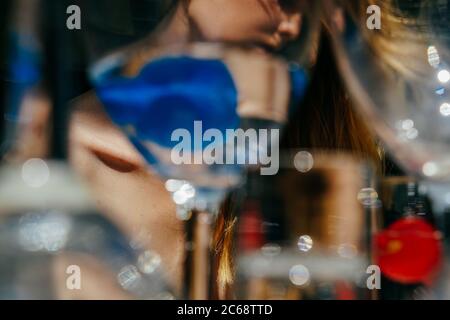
<point>395,59</point>
<point>394,56</point>
<point>56,245</point>
<point>201,113</point>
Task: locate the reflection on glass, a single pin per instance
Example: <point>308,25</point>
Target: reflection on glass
<point>400,77</point>
<point>54,245</point>
<point>307,235</point>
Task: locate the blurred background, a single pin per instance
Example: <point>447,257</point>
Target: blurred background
<point>89,198</point>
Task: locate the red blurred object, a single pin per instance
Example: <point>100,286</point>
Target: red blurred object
<point>251,234</point>
<point>409,251</point>
<point>345,291</point>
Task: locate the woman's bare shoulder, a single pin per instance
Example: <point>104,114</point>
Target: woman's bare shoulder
<point>92,130</point>
<point>87,102</point>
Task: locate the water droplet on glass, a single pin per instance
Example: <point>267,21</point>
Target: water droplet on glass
<point>412,134</point>
<point>407,124</point>
<point>173,185</point>
<point>430,169</point>
<point>440,91</point>
<point>406,129</point>
<point>299,275</point>
<point>368,197</point>
<point>148,262</point>
<point>433,57</point>
<point>179,198</point>
<point>445,109</point>
<point>35,173</point>
<point>188,190</point>
<point>129,277</point>
<point>305,243</point>
<point>48,232</point>
<point>303,161</point>
<point>444,76</point>
<point>185,194</point>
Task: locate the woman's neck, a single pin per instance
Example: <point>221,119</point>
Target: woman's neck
<point>174,29</point>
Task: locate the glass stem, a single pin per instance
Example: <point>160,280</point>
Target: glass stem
<point>198,272</point>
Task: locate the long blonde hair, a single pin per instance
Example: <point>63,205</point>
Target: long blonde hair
<point>327,118</point>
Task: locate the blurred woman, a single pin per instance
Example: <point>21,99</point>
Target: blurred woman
<point>135,198</point>
<point>124,187</point>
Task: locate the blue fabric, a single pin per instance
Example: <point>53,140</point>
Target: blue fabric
<point>171,93</point>
<point>24,72</point>
<point>299,82</point>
